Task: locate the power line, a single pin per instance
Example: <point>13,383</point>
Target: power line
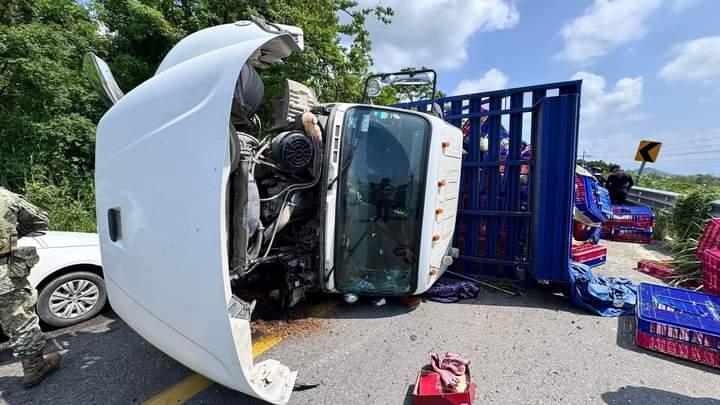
<point>689,141</point>
<point>698,152</point>
<point>691,147</point>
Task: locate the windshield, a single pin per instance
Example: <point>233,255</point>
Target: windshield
<point>380,202</point>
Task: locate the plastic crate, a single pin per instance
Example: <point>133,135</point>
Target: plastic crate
<point>711,271</point>
<point>596,262</point>
<point>583,232</point>
<point>633,235</point>
<point>587,251</point>
<point>591,199</point>
<point>679,322</point>
<point>655,268</point>
<point>631,216</point>
<point>710,238</point>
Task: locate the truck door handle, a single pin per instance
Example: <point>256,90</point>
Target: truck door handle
<point>114,224</point>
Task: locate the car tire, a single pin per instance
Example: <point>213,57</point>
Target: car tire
<point>87,303</point>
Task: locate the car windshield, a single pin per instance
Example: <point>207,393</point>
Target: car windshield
<point>380,204</point>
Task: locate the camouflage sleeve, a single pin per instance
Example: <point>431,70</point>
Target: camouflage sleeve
<point>30,218</point>
<point>21,261</point>
<point>7,230</point>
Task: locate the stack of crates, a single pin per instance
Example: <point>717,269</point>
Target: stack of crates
<point>709,254</point>
<point>710,238</point>
<point>629,223</point>
<point>679,322</point>
<point>711,271</point>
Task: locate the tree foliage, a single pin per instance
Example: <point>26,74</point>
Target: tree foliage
<point>48,111</point>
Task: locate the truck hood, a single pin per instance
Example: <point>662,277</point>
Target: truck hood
<point>162,167</point>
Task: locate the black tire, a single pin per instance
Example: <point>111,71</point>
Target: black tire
<point>43,303</point>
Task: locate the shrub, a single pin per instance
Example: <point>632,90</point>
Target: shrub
<point>69,210</point>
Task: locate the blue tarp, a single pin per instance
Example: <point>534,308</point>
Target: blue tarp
<point>601,295</point>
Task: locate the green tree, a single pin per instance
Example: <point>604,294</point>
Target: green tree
<point>47,110</point>
<point>145,30</point>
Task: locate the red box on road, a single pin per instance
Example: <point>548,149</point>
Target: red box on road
<point>428,391</point>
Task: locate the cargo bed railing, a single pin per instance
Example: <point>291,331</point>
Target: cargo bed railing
<point>517,179</point>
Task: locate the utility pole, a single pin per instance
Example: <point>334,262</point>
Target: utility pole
<point>583,155</point>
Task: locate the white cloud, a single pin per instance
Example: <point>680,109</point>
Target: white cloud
<point>493,79</point>
<point>698,59</point>
<point>605,25</point>
<point>434,33</point>
<point>597,101</point>
<point>681,5</point>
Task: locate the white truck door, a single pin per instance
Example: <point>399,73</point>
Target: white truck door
<point>162,165</point>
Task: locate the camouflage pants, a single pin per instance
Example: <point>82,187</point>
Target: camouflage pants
<point>19,320</point>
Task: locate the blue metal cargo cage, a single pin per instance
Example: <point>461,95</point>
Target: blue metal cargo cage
<point>517,179</point>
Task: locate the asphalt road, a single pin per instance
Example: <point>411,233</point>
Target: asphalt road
<point>536,349</point>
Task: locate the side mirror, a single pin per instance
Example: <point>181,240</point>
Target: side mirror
<point>375,83</point>
<point>374,87</point>
<point>101,79</point>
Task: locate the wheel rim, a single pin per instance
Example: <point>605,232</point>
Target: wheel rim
<point>74,299</point>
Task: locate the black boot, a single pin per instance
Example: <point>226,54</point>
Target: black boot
<point>36,367</point>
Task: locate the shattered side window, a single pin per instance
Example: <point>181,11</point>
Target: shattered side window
<point>380,204</point>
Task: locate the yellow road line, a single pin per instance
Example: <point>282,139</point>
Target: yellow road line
<point>196,383</point>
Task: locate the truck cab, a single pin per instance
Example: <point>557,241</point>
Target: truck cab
<point>200,212</point>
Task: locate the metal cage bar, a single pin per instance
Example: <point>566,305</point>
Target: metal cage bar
<point>515,214</point>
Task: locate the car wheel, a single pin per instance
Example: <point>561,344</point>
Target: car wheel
<point>71,298</point>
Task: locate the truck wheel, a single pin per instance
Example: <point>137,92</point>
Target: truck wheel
<point>71,298</point>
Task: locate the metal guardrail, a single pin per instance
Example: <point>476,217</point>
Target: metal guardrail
<point>660,199</point>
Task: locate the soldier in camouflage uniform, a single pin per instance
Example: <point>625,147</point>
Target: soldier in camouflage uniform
<point>19,321</point>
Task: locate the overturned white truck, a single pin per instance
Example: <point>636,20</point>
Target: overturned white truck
<point>197,213</point>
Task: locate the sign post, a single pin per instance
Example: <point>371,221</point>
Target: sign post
<point>647,151</point>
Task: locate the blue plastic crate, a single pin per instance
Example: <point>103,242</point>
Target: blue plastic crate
<point>679,322</point>
<point>605,204</point>
<point>630,234</point>
<point>596,262</point>
<point>638,214</point>
<point>591,199</point>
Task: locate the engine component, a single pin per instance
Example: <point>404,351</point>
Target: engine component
<point>249,91</point>
<point>298,99</point>
<point>293,150</point>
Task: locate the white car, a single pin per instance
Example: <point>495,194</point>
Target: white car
<point>68,277</point>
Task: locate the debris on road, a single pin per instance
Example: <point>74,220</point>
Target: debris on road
<point>286,327</point>
<point>444,382</point>
<point>449,291</point>
<point>484,284</point>
<point>379,302</point>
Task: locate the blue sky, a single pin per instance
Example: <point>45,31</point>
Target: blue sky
<point>651,68</point>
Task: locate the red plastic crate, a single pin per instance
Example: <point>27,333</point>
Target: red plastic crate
<point>587,252</point>
<point>710,238</point>
<point>633,235</point>
<point>678,349</point>
<point>655,268</point>
<point>711,271</point>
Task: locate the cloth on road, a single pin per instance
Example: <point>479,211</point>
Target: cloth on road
<point>452,370</point>
<point>601,295</point>
<point>452,291</point>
